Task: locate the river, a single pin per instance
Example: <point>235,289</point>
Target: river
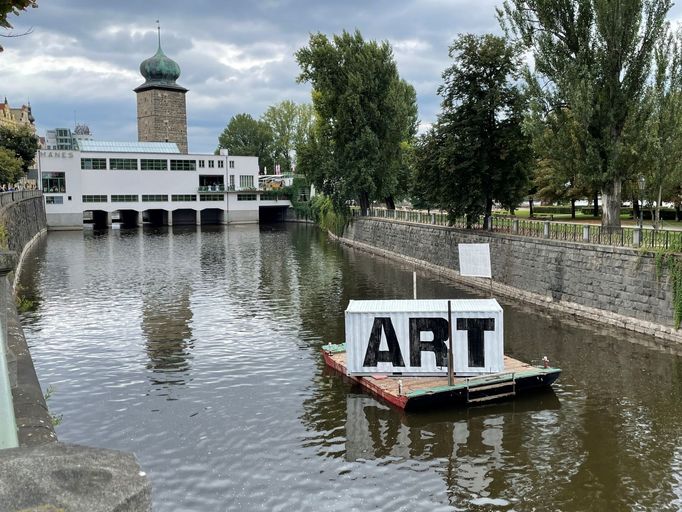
<point>198,349</point>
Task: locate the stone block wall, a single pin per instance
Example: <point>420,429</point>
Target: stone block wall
<point>161,116</point>
<point>23,220</point>
<point>612,285</point>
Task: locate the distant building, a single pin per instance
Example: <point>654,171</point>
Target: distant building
<point>161,109</point>
<point>154,181</point>
<point>148,182</point>
<point>15,117</point>
<point>64,139</point>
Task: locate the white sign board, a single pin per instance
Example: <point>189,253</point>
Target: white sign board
<point>410,337</point>
<point>474,260</point>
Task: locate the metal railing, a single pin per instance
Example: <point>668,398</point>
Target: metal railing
<point>8,426</point>
<point>550,230</point>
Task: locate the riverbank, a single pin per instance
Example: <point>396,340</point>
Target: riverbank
<point>616,286</point>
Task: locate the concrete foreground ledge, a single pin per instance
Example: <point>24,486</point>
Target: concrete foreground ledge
<point>59,477</point>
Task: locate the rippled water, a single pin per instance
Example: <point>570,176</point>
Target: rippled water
<point>198,349</point>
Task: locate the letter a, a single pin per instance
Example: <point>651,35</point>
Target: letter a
<point>373,354</point>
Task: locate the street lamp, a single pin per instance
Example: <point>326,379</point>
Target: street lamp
<point>642,183</point>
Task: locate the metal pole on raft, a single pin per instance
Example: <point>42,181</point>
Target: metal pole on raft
<point>450,363</point>
<point>414,285</point>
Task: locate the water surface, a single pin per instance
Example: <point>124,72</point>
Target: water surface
<point>199,350</point>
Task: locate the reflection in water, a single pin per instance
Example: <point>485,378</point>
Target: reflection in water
<point>199,350</point>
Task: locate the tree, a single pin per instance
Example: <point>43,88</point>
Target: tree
<point>662,167</point>
<point>364,111</point>
<point>10,166</point>
<point>21,142</point>
<point>13,7</point>
<point>245,136</point>
<point>484,155</point>
<point>593,57</point>
<point>290,125</point>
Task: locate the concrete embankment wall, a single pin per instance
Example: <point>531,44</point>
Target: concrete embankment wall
<point>612,285</point>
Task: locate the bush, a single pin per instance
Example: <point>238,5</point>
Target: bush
<point>325,214</point>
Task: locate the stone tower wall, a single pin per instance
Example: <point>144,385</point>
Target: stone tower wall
<point>162,116</point>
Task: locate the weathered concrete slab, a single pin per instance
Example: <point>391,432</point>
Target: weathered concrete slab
<point>71,478</point>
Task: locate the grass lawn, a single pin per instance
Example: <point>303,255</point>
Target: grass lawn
<point>626,220</point>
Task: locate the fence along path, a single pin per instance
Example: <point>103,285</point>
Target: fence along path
<point>552,230</point>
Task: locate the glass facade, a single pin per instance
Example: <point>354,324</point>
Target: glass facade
<point>94,163</point>
<point>183,165</point>
<point>54,182</point>
<point>123,164</point>
<point>94,199</point>
<point>125,198</point>
<point>148,164</point>
<point>147,198</point>
<point>247,197</point>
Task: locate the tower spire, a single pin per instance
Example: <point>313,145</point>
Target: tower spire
<point>158,28</point>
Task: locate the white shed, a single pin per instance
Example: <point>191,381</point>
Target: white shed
<point>410,337</point>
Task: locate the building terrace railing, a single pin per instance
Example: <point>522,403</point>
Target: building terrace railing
<point>551,230</point>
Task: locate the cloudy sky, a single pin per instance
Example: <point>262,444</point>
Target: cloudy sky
<point>81,60</point>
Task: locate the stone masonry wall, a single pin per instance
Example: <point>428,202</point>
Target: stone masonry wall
<point>22,221</point>
<point>161,115</point>
<point>612,285</point>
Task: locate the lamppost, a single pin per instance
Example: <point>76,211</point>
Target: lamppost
<point>642,183</point>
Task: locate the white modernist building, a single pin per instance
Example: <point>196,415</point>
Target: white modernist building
<point>136,182</point>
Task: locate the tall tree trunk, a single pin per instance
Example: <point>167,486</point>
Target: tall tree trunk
<point>657,220</point>
<point>530,204</point>
<point>611,200</point>
<point>573,209</point>
<point>595,204</point>
<point>390,203</point>
<point>487,218</point>
<point>635,209</point>
<point>364,203</point>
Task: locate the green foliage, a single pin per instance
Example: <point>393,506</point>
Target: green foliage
<point>364,111</point>
<point>13,7</point>
<point>25,304</point>
<point>21,142</point>
<point>290,125</point>
<point>56,419</point>
<point>591,59</point>
<point>328,215</point>
<point>10,166</point>
<point>476,153</point>
<point>4,238</point>
<point>245,136</point>
<point>668,260</point>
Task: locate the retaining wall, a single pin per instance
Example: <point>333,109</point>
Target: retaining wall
<point>612,285</point>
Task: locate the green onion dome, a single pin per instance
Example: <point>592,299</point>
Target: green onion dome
<point>160,71</point>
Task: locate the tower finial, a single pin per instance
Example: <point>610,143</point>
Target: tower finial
<point>158,28</point>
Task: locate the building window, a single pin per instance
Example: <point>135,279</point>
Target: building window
<point>54,182</point>
<point>246,182</point>
<point>211,164</point>
<point>150,198</point>
<point>147,164</point>
<point>123,164</point>
<point>125,198</point>
<point>183,197</point>
<point>211,197</point>
<point>54,200</point>
<point>183,165</point>
<point>246,197</point>
<point>202,164</point>
<point>221,164</point>
<point>94,199</point>
<point>231,181</point>
<point>94,163</point>
<point>231,164</point>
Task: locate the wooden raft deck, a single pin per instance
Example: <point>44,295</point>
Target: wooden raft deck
<point>422,391</point>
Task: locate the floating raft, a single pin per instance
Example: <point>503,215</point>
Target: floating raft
<point>421,392</point>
